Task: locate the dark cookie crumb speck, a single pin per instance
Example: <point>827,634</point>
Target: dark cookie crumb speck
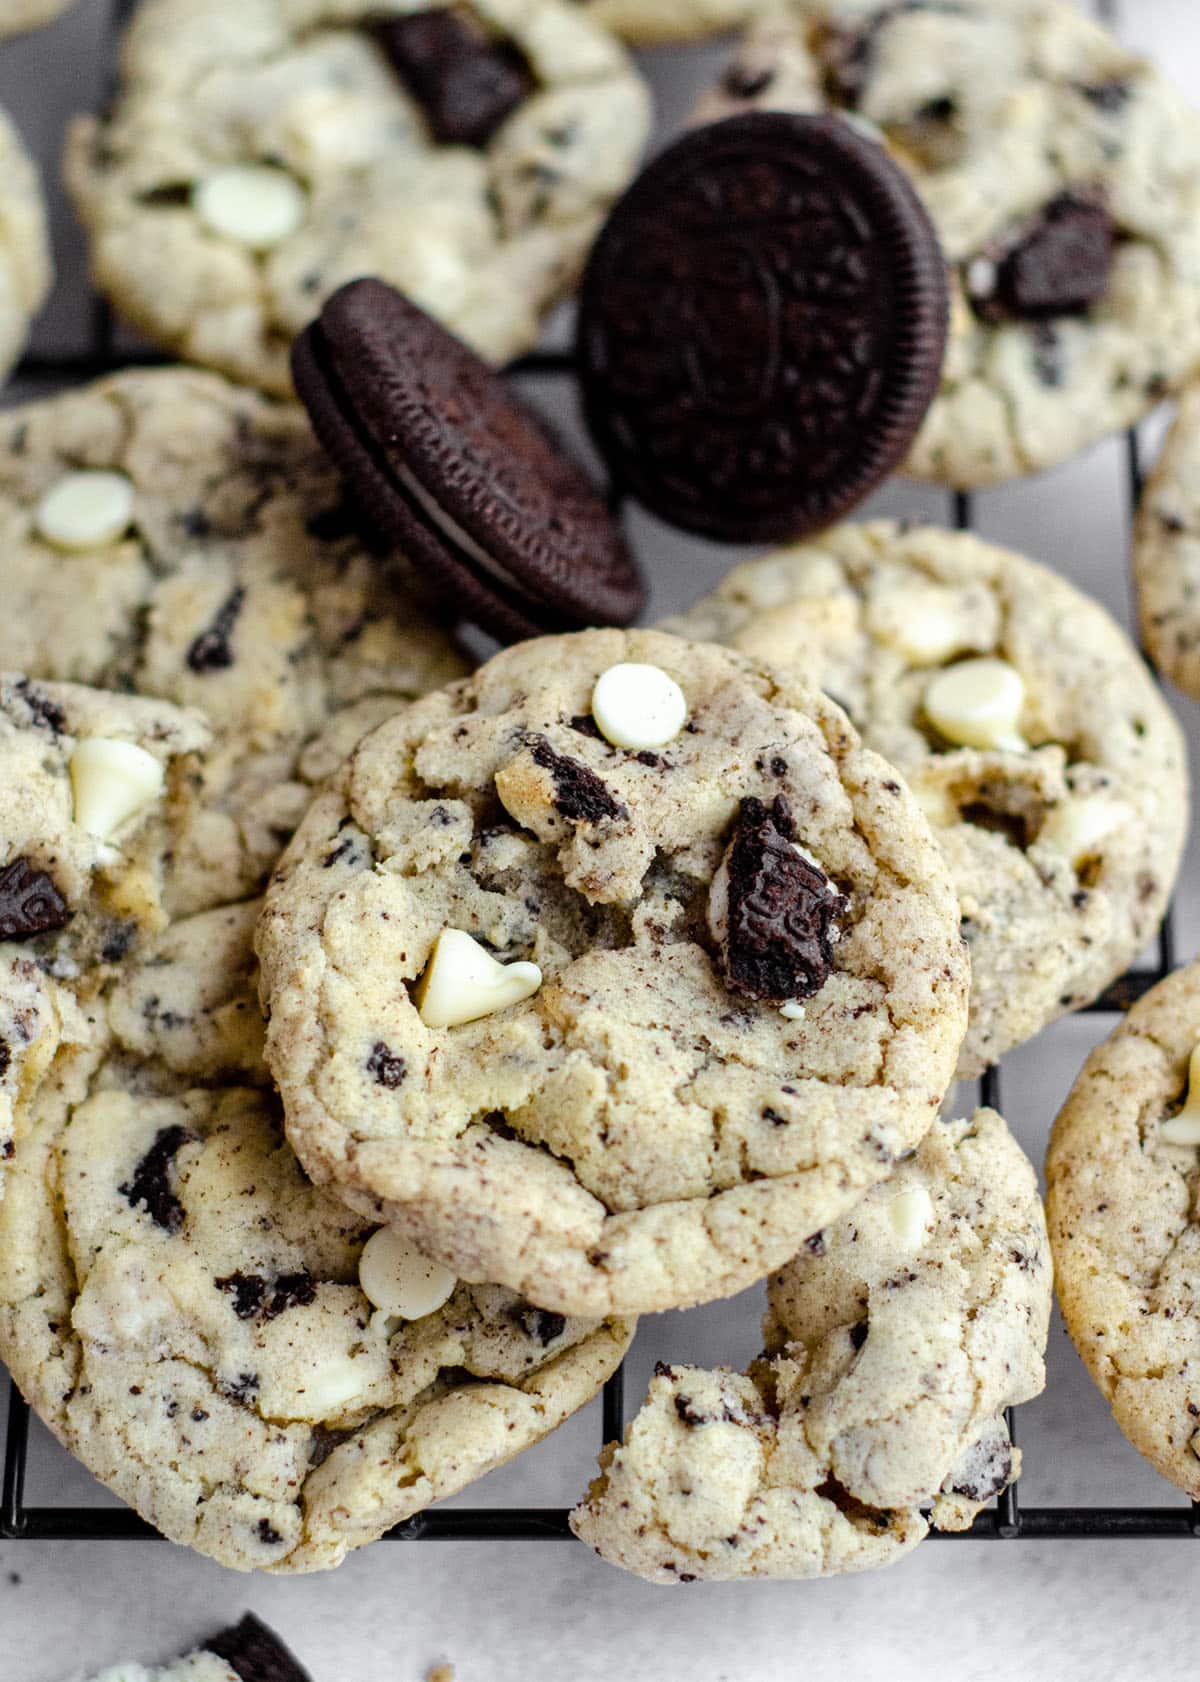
<point>388,1069</point>
<point>212,650</point>
<point>150,1188</point>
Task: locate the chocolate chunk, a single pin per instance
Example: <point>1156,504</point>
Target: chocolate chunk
<point>466,80</point>
<point>777,925</point>
<point>985,1469</point>
<point>539,1323</point>
<point>247,1291</point>
<point>267,1533</point>
<point>388,1069</point>
<point>29,902</point>
<point>212,651</point>
<point>858,1334</point>
<point>762,326</point>
<point>255,1652</point>
<point>150,1188</point>
<point>292,1290</point>
<point>5,1058</point>
<point>689,1413</point>
<point>45,711</point>
<point>1061,264</point>
<point>579,794</point>
<point>452,468</point>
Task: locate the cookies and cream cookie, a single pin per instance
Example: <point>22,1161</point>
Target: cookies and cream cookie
<point>612,972</point>
<point>1123,1171</point>
<point>1050,767</point>
<point>263,1374</point>
<point>1062,173</point>
<point>26,269</point>
<point>1166,551</point>
<point>262,152</point>
<point>245,1652</point>
<point>650,23</point>
<point>166,532</point>
<point>895,1341</point>
<point>19,15</point>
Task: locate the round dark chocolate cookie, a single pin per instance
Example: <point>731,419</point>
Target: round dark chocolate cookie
<point>447,462</point>
<point>762,326</point>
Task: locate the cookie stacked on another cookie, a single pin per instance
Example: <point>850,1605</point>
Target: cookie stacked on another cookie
<point>613,972</point>
<point>262,152</point>
<point>1052,770</point>
<point>894,1342</point>
<point>1063,176</point>
<point>233,1351</point>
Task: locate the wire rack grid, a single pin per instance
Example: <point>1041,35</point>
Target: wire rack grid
<point>1007,1520</point>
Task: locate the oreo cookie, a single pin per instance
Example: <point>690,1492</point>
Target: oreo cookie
<point>256,1653</point>
<point>452,468</point>
<point>762,326</point>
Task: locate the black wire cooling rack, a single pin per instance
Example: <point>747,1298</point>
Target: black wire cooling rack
<point>1008,1520</point>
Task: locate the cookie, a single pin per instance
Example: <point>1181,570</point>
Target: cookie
<point>1062,174</point>
<point>245,1652</point>
<point>652,23</point>
<point>21,15</point>
<point>1122,1171</point>
<point>261,154</point>
<point>1166,552</point>
<point>98,790</point>
<point>26,269</point>
<point>451,465</point>
<point>895,1340</point>
<point>761,327</point>
<point>1051,769</point>
<point>222,572</point>
<point>611,972</point>
<point>231,1350</point>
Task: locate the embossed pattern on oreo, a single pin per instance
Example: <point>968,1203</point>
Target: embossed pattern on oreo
<point>30,904</point>
<point>762,326</point>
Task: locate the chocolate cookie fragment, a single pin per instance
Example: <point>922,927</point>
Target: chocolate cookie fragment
<point>1059,265</point>
<point>466,81</point>
<point>30,904</point>
<point>772,911</point>
<point>256,1653</point>
<point>762,326</point>
<point>447,463</point>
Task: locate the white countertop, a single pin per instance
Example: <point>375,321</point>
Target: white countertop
<point>505,1612</point>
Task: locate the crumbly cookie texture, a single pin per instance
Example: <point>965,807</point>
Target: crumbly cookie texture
<point>486,232</point>
<point>895,1341</point>
<point>1166,552</point>
<point>26,269</point>
<point>1122,1210</point>
<point>233,582</point>
<point>639,1127</point>
<point>1028,130</point>
<point>20,15</point>
<point>649,23</point>
<point>182,1306</point>
<point>1063,843</point>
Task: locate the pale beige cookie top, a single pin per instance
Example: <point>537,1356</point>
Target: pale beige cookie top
<point>1063,836</point>
<point>996,109</point>
<point>167,532</point>
<point>26,270</point>
<point>1166,552</point>
<point>1124,1176</point>
<point>98,789</point>
<point>346,173</point>
<point>650,23</point>
<point>895,1341</point>
<point>643,1131</point>
<point>16,16</point>
<point>184,1308</point>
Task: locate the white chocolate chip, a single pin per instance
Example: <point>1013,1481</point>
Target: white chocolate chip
<point>254,204</point>
<point>982,275</point>
<point>111,781</point>
<point>925,626</point>
<point>1077,826</point>
<point>793,1010</point>
<point>978,704</point>
<point>1184,1128</point>
<point>398,1280</point>
<point>911,1216</point>
<point>637,706</point>
<point>85,510</point>
<point>463,982</point>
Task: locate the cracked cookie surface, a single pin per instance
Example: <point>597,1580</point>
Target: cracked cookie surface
<point>543,118</point>
<point>1062,174</point>
<point>1122,1207</point>
<point>237,586</point>
<point>649,23</point>
<point>26,269</point>
<point>182,1306</point>
<point>1166,552</point>
<point>1064,846</point>
<point>895,1341</point>
<point>638,1134</point>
